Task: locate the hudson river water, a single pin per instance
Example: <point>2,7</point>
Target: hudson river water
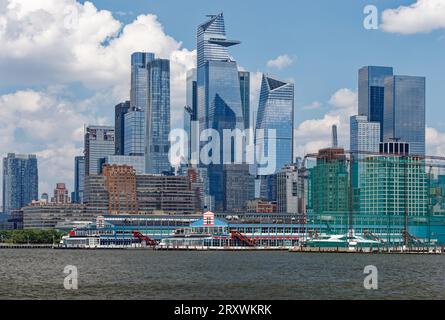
<point>126,274</point>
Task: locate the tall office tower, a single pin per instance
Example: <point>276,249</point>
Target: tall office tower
<point>20,181</point>
<point>79,178</point>
<point>219,95</point>
<point>157,117</point>
<point>61,194</point>
<point>276,112</point>
<point>134,136</point>
<point>334,137</point>
<point>119,126</point>
<point>405,111</point>
<point>371,88</point>
<point>191,108</point>
<point>244,81</point>
<point>99,143</point>
<point>139,79</point>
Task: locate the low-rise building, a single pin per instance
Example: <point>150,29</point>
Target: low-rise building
<point>40,215</point>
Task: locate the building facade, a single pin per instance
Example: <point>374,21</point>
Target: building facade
<point>275,115</point>
<point>120,183</point>
<point>329,186</point>
<point>137,162</point>
<point>99,143</point>
<point>40,215</point>
<point>289,192</point>
<point>371,93</point>
<point>139,90</point>
<point>239,187</point>
<point>404,117</point>
<point>219,97</point>
<point>157,118</point>
<point>134,136</point>
<point>191,110</point>
<point>79,179</point>
<point>244,81</point>
<point>61,194</point>
<point>20,181</point>
<point>119,126</point>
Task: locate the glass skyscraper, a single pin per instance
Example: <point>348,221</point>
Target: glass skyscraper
<point>371,88</point>
<point>404,118</point>
<point>219,94</point>
<point>79,178</point>
<point>119,126</point>
<point>139,79</point>
<point>99,143</point>
<point>244,80</point>
<point>134,137</point>
<point>20,181</point>
<point>157,118</point>
<point>276,112</point>
<point>191,109</point>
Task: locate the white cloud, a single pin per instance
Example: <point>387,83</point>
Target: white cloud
<point>280,62</point>
<point>435,142</point>
<point>421,17</point>
<point>314,134</point>
<point>72,48</point>
<point>41,123</point>
<point>313,106</point>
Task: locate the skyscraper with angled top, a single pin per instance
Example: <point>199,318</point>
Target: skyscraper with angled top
<point>219,94</point>
<point>276,112</point>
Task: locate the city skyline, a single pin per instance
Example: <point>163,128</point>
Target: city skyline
<point>322,115</point>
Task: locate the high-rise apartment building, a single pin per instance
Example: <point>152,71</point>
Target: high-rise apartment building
<point>404,117</point>
<point>157,117</point>
<point>20,181</point>
<point>289,191</point>
<point>364,135</point>
<point>99,143</point>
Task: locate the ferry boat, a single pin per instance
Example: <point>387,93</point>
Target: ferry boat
<point>342,241</point>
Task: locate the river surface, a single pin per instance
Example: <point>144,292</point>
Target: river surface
<point>146,274</point>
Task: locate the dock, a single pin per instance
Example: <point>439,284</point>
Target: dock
<point>382,250</point>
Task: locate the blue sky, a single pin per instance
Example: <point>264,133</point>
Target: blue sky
<point>326,37</point>
<point>57,76</point>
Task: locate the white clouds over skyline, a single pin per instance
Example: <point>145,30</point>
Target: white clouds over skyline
<point>62,45</point>
<point>423,16</point>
